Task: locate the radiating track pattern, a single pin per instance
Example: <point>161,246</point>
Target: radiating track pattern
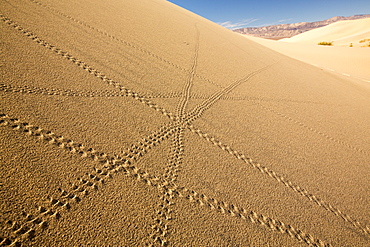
<point>106,166</point>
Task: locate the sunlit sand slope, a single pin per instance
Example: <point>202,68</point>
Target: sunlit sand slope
<point>342,33</point>
<point>137,123</point>
<point>351,62</point>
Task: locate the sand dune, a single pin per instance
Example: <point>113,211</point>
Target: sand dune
<point>138,123</point>
<point>342,33</point>
<point>350,62</point>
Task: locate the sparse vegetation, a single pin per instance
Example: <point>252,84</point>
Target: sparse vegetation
<point>364,40</point>
<point>326,43</point>
<point>350,45</point>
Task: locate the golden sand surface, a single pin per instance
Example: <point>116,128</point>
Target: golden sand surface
<point>138,123</point>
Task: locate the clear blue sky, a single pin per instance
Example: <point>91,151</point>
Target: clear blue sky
<point>238,13</point>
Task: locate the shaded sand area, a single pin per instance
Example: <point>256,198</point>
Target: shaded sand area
<point>137,123</point>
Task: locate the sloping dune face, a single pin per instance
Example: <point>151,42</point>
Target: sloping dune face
<point>348,61</point>
<point>137,123</point>
<point>343,33</point>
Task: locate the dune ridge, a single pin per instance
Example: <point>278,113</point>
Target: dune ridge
<point>169,180</point>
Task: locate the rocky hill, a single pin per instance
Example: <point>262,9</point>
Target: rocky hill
<point>289,30</point>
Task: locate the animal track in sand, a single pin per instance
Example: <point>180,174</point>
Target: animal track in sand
<point>129,44</point>
<point>327,206</point>
<point>107,166</point>
<point>26,89</point>
<point>312,129</point>
<point>176,153</point>
<point>169,189</point>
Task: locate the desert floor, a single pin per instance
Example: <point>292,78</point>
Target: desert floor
<point>137,123</point>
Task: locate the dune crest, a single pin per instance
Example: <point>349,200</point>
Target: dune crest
<point>138,123</point>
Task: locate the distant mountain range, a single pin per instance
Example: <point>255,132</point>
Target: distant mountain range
<point>289,30</point>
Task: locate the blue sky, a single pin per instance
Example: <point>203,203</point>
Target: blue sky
<point>238,13</point>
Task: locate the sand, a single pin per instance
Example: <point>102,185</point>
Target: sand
<point>138,123</point>
<point>352,62</point>
<point>341,33</point>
